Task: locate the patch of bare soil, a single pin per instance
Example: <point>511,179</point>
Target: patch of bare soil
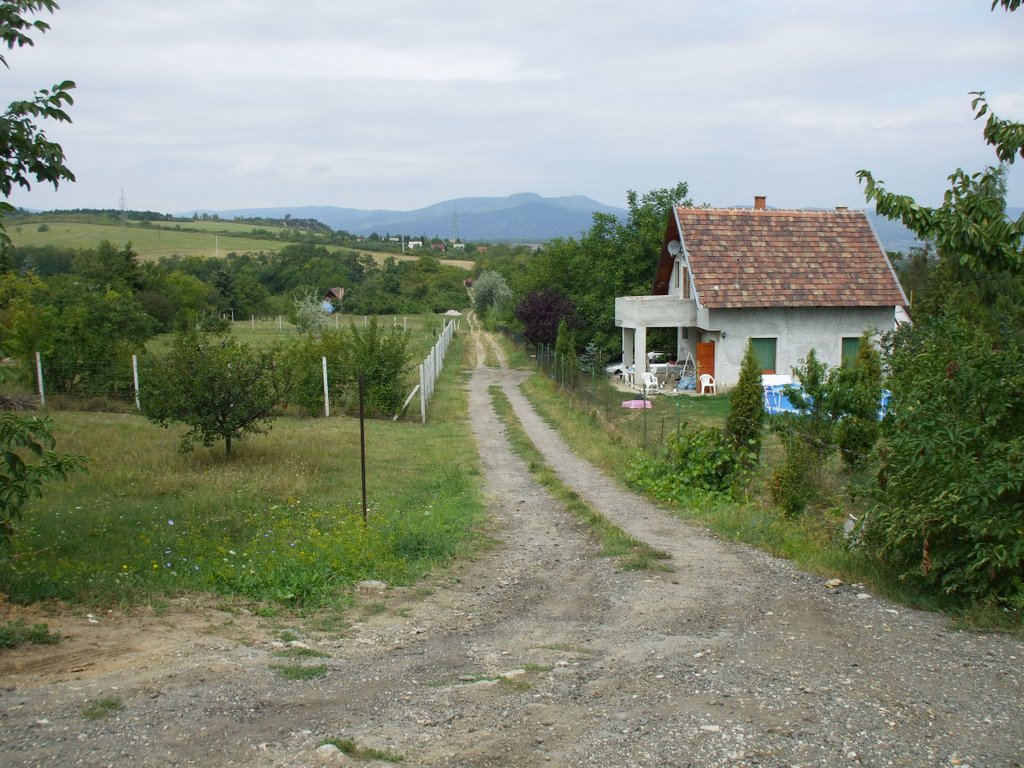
<point>538,653</point>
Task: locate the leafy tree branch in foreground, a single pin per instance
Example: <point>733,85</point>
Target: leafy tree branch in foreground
<point>971,224</point>
<point>25,152</point>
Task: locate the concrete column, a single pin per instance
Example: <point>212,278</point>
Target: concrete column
<point>639,352</point>
<point>627,347</point>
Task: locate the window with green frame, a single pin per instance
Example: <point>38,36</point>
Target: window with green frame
<point>764,351</point>
<point>851,346</point>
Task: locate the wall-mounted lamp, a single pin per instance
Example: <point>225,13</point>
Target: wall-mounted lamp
<point>723,334</point>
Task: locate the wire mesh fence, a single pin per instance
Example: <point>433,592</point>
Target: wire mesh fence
<point>602,396</point>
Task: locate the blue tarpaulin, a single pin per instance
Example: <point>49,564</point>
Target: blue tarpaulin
<point>777,401</point>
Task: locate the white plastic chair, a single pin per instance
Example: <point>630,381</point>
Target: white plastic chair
<point>649,382</point>
<point>706,382</point>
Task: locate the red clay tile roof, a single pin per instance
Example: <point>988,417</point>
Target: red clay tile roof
<point>742,257</point>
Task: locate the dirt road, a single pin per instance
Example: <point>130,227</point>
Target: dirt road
<point>540,653</point>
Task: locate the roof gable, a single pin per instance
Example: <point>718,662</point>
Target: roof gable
<point>741,257</point>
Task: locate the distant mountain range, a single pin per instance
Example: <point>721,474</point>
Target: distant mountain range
<point>524,217</point>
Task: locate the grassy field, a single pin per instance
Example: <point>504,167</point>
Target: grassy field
<point>150,243</point>
<point>281,523</point>
<point>206,238</point>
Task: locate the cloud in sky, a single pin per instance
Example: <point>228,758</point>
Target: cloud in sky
<point>402,104</point>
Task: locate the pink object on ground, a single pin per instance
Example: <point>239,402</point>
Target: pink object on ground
<point>637,404</point>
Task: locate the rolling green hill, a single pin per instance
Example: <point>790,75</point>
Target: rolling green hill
<point>207,238</point>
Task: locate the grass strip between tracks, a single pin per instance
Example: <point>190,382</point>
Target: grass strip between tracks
<point>631,554</point>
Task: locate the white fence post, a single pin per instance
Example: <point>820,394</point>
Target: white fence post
<point>135,378</point>
<point>423,397</point>
<point>327,398</point>
<point>39,378</point>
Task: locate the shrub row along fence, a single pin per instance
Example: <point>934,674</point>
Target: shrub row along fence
<point>120,380</point>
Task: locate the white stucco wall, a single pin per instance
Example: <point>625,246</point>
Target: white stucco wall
<point>796,331</point>
<point>654,311</point>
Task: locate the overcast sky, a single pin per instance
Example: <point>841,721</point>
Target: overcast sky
<point>403,103</point>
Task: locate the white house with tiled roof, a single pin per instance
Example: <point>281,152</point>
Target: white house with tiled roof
<point>787,280</point>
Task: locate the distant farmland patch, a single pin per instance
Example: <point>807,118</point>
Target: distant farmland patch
<point>150,243</point>
<point>204,238</point>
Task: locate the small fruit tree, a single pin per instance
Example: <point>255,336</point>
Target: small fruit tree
<point>219,388</point>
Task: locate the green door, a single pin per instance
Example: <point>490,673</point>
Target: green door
<point>851,346</point>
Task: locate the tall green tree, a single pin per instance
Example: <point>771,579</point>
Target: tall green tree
<point>858,389</point>
<point>565,352</point>
<point>745,422</point>
<point>86,336</point>
<point>108,266</point>
<point>491,293</point>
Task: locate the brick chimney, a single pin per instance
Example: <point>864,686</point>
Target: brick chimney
<point>759,202</point>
